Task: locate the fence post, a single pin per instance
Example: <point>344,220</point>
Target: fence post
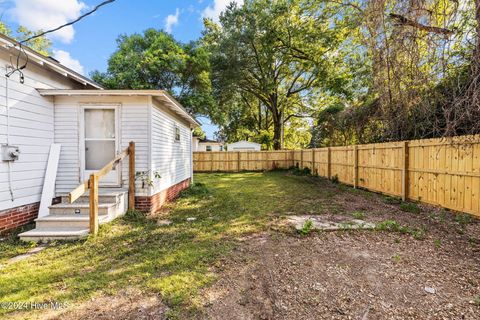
<point>355,166</point>
<point>238,161</point>
<point>301,158</point>
<point>313,161</point>
<point>131,175</point>
<point>329,172</point>
<point>93,185</point>
<point>405,170</point>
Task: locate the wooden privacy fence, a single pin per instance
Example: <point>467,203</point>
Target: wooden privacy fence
<point>444,172</point>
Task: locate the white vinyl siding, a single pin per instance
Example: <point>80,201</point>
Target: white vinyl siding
<point>172,159</point>
<point>133,127</point>
<point>31,128</point>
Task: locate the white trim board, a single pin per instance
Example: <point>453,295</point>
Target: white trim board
<point>48,190</point>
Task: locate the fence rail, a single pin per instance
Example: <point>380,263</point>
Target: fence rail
<point>444,172</point>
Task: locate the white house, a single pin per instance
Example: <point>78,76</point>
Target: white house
<point>244,146</point>
<point>210,145</point>
<point>55,105</point>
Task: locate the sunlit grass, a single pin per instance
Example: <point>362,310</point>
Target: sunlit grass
<point>173,260</point>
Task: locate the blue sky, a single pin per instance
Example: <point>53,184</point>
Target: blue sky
<point>88,44</point>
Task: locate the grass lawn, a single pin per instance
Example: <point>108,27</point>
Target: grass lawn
<point>172,260</point>
<point>179,262</point>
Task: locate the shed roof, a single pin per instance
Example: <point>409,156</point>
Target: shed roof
<point>159,95</point>
<point>246,142</point>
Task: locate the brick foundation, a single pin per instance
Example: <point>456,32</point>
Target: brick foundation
<point>18,216</point>
<point>151,204</point>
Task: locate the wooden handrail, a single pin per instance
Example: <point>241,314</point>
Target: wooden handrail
<point>92,184</point>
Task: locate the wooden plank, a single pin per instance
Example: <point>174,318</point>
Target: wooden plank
<point>405,171</point>
<point>355,166</point>
<point>131,175</point>
<point>93,182</point>
<point>48,190</point>
<point>78,191</point>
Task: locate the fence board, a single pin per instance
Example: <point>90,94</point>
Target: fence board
<point>444,172</point>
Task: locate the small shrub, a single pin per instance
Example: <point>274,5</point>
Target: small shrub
<point>396,258</point>
<point>197,190</point>
<point>418,234</point>
<point>392,200</point>
<point>307,227</point>
<point>409,207</point>
<point>438,243</point>
<point>463,219</point>
<point>135,215</point>
<point>334,179</point>
<point>358,215</point>
<point>388,225</point>
<point>300,172</point>
<point>476,301</point>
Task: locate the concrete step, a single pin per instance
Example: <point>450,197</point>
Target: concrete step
<point>74,221</point>
<point>42,235</point>
<point>82,208</point>
<point>105,195</point>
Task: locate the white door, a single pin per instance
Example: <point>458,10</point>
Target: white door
<point>100,141</point>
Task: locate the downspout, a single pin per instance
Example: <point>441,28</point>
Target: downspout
<point>191,156</point>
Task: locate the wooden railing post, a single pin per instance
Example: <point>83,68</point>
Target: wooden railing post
<point>405,170</point>
<point>93,184</point>
<point>131,175</point>
<point>355,166</point>
<point>329,171</point>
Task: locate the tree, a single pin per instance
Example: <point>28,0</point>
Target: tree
<point>40,44</point>
<point>155,60</point>
<point>272,54</point>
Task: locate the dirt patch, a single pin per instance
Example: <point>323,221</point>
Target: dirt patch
<point>128,304</point>
<point>346,275</point>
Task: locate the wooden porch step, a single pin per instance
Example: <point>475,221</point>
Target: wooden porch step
<point>49,234</point>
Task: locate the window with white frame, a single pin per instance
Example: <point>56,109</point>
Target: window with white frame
<point>177,133</point>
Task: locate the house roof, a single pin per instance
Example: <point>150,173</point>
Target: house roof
<point>46,62</point>
<point>159,95</point>
<point>244,141</point>
<point>209,141</point>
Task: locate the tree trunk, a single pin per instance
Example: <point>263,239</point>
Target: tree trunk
<point>277,133</point>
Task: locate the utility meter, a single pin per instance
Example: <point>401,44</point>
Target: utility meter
<point>10,153</point>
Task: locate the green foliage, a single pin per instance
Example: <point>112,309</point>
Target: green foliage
<point>268,58</point>
<point>394,226</point>
<point>155,60</point>
<point>196,190</point>
<point>396,258</point>
<point>358,215</point>
<point>41,44</point>
<point>306,228</point>
<point>463,219</point>
<point>410,207</point>
<point>300,172</point>
<point>392,200</point>
<point>135,215</point>
<point>334,179</point>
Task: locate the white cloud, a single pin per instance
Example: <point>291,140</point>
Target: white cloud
<point>66,59</point>
<point>171,20</point>
<point>48,14</point>
<point>214,10</point>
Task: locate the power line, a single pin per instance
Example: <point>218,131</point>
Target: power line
<point>69,23</point>
<point>18,68</point>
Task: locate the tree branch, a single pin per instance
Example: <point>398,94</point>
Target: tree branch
<point>401,20</point>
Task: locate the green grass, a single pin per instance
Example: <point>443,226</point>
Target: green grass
<point>358,215</point>
<point>11,246</point>
<point>174,260</point>
<point>409,207</point>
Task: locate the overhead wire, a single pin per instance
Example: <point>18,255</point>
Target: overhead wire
<point>18,68</point>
